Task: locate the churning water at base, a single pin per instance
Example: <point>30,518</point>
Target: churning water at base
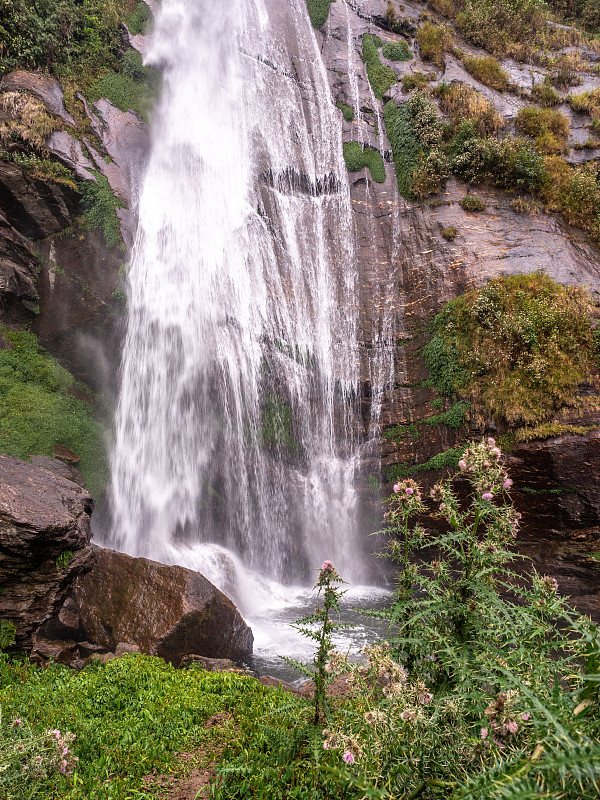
<point>234,440</point>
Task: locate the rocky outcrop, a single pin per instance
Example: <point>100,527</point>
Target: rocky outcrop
<point>44,543</point>
<point>167,611</point>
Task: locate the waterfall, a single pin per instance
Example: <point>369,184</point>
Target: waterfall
<point>235,425</point>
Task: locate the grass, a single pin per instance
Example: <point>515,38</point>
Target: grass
<point>463,103</point>
<point>381,77</point>
<point>487,70</point>
<point>318,11</point>
<point>358,157</point>
<point>134,88</point>
<point>131,717</point>
<point>416,80</point>
<point>448,459</point>
<point>472,202</point>
<point>450,233</point>
<point>140,20</point>
<point>519,347</point>
<point>545,94</point>
<point>434,41</point>
<point>347,111</point>
<point>549,129</point>
<point>38,409</point>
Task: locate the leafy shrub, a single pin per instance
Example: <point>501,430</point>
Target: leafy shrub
<point>450,233</point>
<point>140,21</point>
<point>574,191</point>
<point>448,459</point>
<point>550,129</point>
<point>446,8</point>
<point>415,134</point>
<point>487,70</point>
<point>67,37</point>
<point>397,51</point>
<point>347,111</point>
<point>519,346</point>
<point>434,41</point>
<point>380,76</point>
<point>43,168</point>
<point>38,411</point>
<point>509,163</point>
<point>566,67</point>
<point>135,88</point>
<point>586,103</point>
<point>318,11</point>
<point>463,103</point>
<point>101,209</point>
<point>471,202</point>
<point>357,157</point>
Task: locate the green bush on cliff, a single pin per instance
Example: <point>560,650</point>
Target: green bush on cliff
<point>135,87</point>
<point>519,347</point>
<point>357,157</point>
<point>38,409</point>
<point>381,77</point>
<point>397,51</point>
<point>415,134</point>
<point>140,21</point>
<point>318,11</point>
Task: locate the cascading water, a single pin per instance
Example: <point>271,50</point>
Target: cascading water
<point>234,434</point>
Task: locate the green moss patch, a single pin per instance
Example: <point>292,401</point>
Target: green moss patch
<point>347,111</point>
<point>134,88</point>
<point>519,347</point>
<point>381,77</point>
<point>101,210</point>
<point>357,158</point>
<point>38,409</point>
<point>447,460</point>
<point>397,51</point>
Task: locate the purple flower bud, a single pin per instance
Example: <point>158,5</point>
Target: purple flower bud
<point>483,733</point>
<point>507,483</point>
<point>525,716</point>
<point>512,726</point>
<point>487,496</point>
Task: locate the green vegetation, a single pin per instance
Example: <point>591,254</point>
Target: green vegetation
<point>450,233</point>
<point>447,460</point>
<point>519,347</point>
<point>71,38</point>
<point>42,168</point>
<point>399,432</point>
<point>318,11</point>
<point>463,103</point>
<point>64,559</point>
<point>101,210</point>
<point>454,417</point>
<point>472,202</point>
<point>416,80</point>
<point>357,157</point>
<point>25,123</point>
<point>574,191</point>
<point>434,41</point>
<point>380,77</point>
<point>415,134</point>
<point>396,51</point>
<point>38,409</point>
<point>347,111</point>
<point>586,103</point>
<point>488,71</point>
<point>545,94</point>
<point>550,129</point>
<point>135,87</point>
<point>548,430</point>
<point>140,21</point>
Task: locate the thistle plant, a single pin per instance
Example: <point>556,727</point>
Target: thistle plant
<point>319,627</point>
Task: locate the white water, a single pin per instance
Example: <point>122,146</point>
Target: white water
<point>234,452</point>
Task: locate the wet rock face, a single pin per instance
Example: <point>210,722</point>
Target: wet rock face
<point>167,611</point>
<point>44,543</point>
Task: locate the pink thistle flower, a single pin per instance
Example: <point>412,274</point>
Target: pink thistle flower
<point>507,483</point>
<point>17,722</point>
<point>396,488</point>
<point>483,733</point>
<point>409,490</point>
<point>512,726</point>
<point>326,745</point>
<point>526,716</point>
<point>491,440</point>
<point>348,757</point>
<point>462,464</point>
<point>487,496</point>
<point>326,565</point>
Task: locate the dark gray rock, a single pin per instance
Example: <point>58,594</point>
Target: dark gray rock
<point>167,611</point>
<point>41,516</point>
<point>58,467</point>
<point>18,271</point>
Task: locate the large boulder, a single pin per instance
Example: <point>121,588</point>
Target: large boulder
<point>167,611</point>
<point>44,543</point>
